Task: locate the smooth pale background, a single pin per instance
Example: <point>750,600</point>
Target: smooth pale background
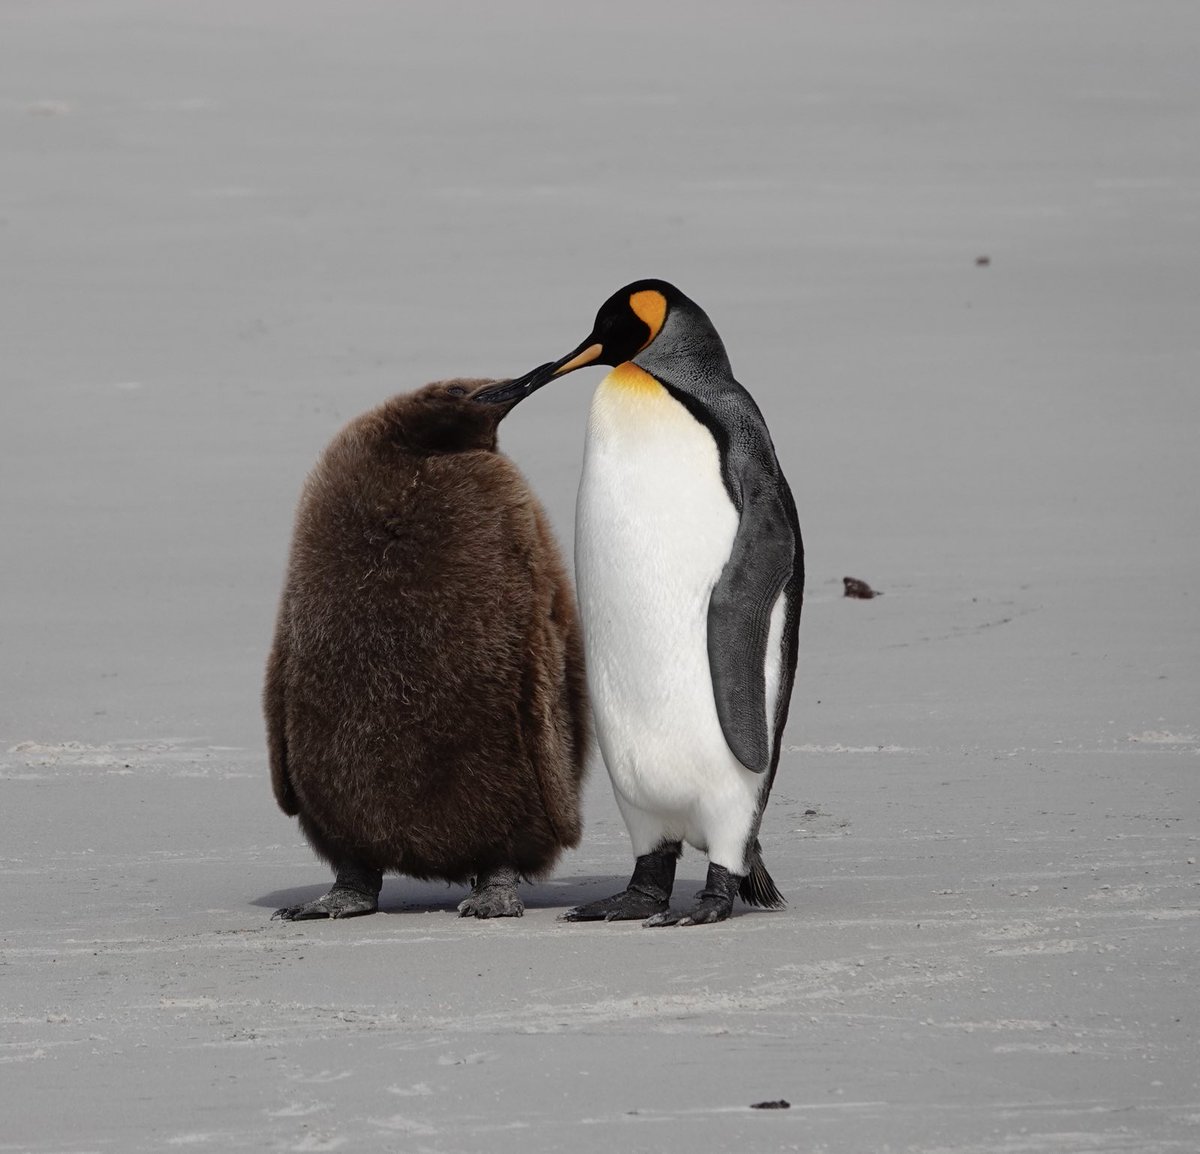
<point>226,228</point>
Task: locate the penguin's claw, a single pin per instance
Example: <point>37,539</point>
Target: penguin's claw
<point>666,918</point>
<point>340,902</point>
<point>493,902</point>
<point>706,911</point>
<point>627,906</point>
<point>494,895</point>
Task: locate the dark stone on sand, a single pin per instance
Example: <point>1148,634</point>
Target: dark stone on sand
<point>859,589</point>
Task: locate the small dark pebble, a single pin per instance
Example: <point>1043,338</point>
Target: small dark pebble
<point>810,813</point>
<point>778,1104</point>
<point>982,261</point>
<point>860,589</point>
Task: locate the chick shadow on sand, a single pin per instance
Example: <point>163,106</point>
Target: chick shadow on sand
<point>403,895</point>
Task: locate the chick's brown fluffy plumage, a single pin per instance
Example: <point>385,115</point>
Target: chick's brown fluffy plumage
<point>425,698</point>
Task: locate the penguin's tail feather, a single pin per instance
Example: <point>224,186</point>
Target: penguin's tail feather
<point>757,888</point>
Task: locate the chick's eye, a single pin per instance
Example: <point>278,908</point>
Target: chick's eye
<point>456,391</point>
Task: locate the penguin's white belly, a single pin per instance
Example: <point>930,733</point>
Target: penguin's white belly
<point>654,529</point>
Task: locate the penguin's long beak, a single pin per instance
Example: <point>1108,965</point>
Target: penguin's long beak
<point>517,390</point>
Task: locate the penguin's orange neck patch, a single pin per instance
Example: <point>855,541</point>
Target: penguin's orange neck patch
<point>629,378</point>
<point>650,307</point>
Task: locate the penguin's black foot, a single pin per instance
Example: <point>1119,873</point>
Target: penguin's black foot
<point>714,903</point>
<point>355,892</point>
<point>493,895</point>
<point>648,892</point>
<point>629,905</point>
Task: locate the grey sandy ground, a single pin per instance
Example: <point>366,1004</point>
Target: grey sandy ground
<point>225,230</point>
<point>964,965</point>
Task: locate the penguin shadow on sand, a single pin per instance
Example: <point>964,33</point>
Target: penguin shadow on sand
<point>402,895</point>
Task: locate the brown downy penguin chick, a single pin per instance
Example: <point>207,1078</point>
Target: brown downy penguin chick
<point>425,699</point>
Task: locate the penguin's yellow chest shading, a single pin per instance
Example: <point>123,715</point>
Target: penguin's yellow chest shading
<point>629,381</point>
<point>631,405</point>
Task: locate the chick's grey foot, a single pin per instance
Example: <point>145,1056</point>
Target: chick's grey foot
<point>355,892</point>
<point>493,895</point>
<point>714,903</point>
<point>648,892</point>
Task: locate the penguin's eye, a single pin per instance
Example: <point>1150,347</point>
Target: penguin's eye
<point>456,391</point>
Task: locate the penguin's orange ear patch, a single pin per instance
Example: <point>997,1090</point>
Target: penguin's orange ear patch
<point>649,306</point>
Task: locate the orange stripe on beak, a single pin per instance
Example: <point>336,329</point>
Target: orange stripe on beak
<point>580,359</point>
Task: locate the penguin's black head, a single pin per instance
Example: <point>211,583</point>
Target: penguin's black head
<point>628,322</point>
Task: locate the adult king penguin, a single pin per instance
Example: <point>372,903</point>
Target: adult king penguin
<point>690,574</point>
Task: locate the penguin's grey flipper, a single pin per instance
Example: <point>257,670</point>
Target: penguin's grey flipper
<point>648,892</point>
<point>739,621</point>
<point>714,903</point>
<point>493,895</point>
<point>355,892</point>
